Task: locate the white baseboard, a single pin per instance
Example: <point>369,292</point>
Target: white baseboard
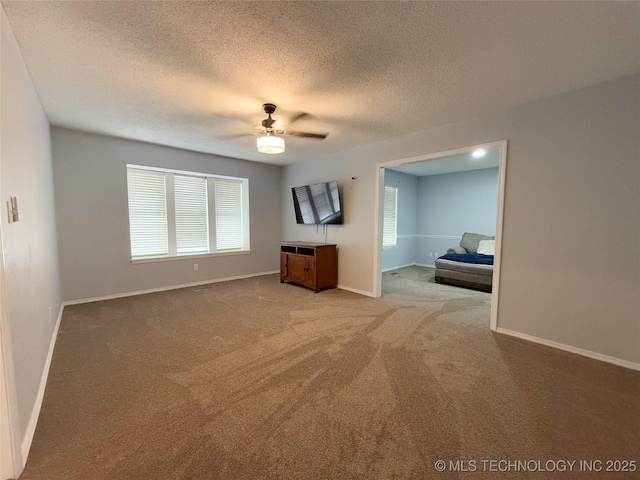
<point>355,290</point>
<point>408,265</point>
<point>569,348</point>
<point>397,267</point>
<point>424,265</point>
<point>35,412</point>
<point>163,289</point>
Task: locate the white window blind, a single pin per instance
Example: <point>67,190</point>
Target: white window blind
<point>228,206</point>
<point>173,213</point>
<point>192,224</point>
<point>147,213</point>
<point>390,221</point>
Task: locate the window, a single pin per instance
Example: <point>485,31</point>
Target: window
<point>147,213</point>
<point>192,216</point>
<point>390,220</point>
<point>228,214</point>
<point>173,213</point>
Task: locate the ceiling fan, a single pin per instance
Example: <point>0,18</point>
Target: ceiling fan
<point>270,140</point>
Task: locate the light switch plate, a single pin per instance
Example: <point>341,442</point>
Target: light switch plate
<point>12,209</point>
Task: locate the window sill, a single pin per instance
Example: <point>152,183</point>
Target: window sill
<point>393,247</point>
<point>165,258</point>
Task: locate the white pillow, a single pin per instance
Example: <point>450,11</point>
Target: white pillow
<point>488,247</point>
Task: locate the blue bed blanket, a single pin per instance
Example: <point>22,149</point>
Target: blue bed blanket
<point>479,258</point>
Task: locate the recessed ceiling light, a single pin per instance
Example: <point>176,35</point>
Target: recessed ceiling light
<point>479,153</point>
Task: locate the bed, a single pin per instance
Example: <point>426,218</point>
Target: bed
<point>469,265</point>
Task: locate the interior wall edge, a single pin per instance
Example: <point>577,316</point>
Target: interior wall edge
<point>32,287</point>
<point>355,290</point>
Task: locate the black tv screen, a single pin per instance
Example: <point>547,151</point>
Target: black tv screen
<point>317,204</point>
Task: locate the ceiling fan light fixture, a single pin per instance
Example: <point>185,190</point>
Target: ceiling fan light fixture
<point>270,144</point>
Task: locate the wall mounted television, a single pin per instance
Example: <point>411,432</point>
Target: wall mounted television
<point>317,204</point>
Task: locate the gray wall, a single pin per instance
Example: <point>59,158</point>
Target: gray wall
<point>570,260</point>
<point>452,204</point>
<point>404,253</point>
<point>91,199</point>
<point>30,252</point>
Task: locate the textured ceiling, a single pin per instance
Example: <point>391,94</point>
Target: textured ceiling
<point>185,73</point>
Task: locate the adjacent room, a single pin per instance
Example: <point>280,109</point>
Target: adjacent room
<point>319,240</point>
<point>432,207</point>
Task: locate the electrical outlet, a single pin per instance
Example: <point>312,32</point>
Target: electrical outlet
<point>195,266</point>
<point>431,254</point>
<point>437,255</point>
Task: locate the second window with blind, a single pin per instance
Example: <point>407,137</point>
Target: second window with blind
<point>390,218</point>
<point>174,213</point>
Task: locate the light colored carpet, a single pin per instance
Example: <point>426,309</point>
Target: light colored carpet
<point>253,379</point>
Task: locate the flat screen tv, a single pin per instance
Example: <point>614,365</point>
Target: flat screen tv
<point>317,204</point>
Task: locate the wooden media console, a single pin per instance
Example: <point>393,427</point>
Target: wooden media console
<point>314,265</point>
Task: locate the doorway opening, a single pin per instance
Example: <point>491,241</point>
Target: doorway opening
<point>416,235</point>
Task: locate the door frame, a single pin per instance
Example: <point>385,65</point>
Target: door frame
<point>377,228</point>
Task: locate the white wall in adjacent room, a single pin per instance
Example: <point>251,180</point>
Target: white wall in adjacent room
<point>91,198</point>
<point>570,259</point>
<point>31,270</point>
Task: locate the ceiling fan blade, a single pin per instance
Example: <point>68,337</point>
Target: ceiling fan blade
<point>299,116</point>
<point>238,135</point>
<point>317,136</point>
<point>233,118</point>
